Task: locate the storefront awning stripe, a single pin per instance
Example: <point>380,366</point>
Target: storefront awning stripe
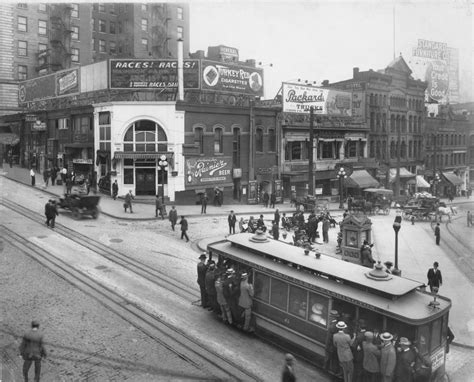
<point>453,178</point>
<point>361,179</point>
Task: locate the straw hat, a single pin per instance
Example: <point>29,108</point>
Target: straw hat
<point>341,325</point>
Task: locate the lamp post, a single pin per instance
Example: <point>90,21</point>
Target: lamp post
<point>341,175</point>
<point>396,227</point>
<point>163,165</point>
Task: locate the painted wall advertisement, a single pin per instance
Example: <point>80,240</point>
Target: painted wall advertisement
<point>207,172</point>
<point>438,64</point>
<point>152,74</point>
<point>231,78</point>
<point>300,98</point>
<point>59,84</point>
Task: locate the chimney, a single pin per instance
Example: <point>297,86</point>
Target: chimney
<point>325,83</point>
<point>251,62</point>
<point>355,72</point>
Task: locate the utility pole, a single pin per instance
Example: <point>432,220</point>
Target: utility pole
<point>397,177</point>
<point>252,140</point>
<point>310,153</point>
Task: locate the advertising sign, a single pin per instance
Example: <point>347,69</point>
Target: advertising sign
<point>59,84</point>
<point>358,104</point>
<point>152,74</point>
<point>231,78</point>
<point>300,98</point>
<point>207,172</point>
<point>38,126</point>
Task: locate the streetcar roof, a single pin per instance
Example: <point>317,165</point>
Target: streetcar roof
<point>342,270</point>
<point>413,307</point>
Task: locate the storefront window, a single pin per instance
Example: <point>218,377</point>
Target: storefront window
<point>327,150</point>
<point>128,176</point>
<point>262,287</point>
<point>298,302</point>
<point>279,294</point>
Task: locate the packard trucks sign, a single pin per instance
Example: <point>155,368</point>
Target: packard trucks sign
<point>300,98</point>
<point>231,78</point>
<point>152,74</point>
<point>207,172</point>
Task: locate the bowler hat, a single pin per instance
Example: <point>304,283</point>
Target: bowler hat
<point>203,256</point>
<point>289,357</point>
<point>341,325</point>
<point>35,324</point>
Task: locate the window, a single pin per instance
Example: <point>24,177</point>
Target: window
<point>22,24</point>
<point>144,8</point>
<point>74,55</point>
<point>144,25</point>
<point>22,72</point>
<point>22,48</point>
<point>63,123</point>
<point>327,149</point>
<point>372,121</point>
<point>102,46</point>
<point>392,150</point>
<point>82,125</point>
<point>102,27</point>
<point>259,140</point>
<point>262,287</point>
<point>298,302</point>
<point>145,43</point>
<point>384,121</point>
<point>279,294</point>
<point>179,15</point>
<point>101,7</point>
<point>392,123</point>
<point>112,47</point>
<point>119,27</point>
<point>128,176</point>
<point>199,139</point>
<point>22,5</point>
<point>372,149</point>
<point>112,8</point>
<point>42,47</point>
<point>75,33</point>
<point>179,32</point>
<point>112,27</point>
<point>271,140</point>
<point>42,7</point>
<point>145,135</point>
<point>93,44</point>
<point>42,27</point>
<point>75,10</point>
<point>104,131</point>
<point>236,147</point>
<point>218,140</point>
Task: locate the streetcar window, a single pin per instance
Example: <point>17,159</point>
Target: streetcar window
<point>346,311</point>
<point>423,339</point>
<point>444,333</point>
<point>279,294</point>
<point>400,329</point>
<point>373,320</point>
<point>436,334</point>
<point>298,302</point>
<point>262,287</point>
<point>318,309</point>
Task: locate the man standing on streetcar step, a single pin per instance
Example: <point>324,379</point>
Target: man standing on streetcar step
<point>32,350</point>
<point>343,342</point>
<point>245,300</point>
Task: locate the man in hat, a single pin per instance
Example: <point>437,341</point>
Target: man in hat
<point>366,258</point>
<point>231,290</point>
<point>245,300</point>
<point>128,201</point>
<point>115,189</point>
<point>343,342</point>
<point>288,374</point>
<point>201,280</point>
<point>224,307</point>
<point>388,357</point>
<point>173,217</point>
<point>371,354</point>
<point>357,350</point>
<point>231,219</point>
<point>51,212</point>
<point>405,362</point>
<point>204,203</point>
<point>210,280</point>
<point>437,233</point>
<point>388,265</point>
<point>32,350</point>
<point>332,363</point>
<point>184,228</point>
<point>435,279</point>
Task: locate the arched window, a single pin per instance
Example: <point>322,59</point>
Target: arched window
<point>236,147</point>
<point>218,140</point>
<point>403,151</point>
<point>392,123</point>
<point>372,149</point>
<point>392,150</point>
<point>378,150</point>
<point>271,140</point>
<point>403,124</point>
<point>199,139</point>
<point>377,126</point>
<point>414,124</point>
<point>259,140</point>
<point>410,149</point>
<point>410,124</point>
<point>145,136</point>
<point>384,149</point>
<point>384,121</point>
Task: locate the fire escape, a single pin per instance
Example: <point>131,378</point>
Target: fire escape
<point>159,31</point>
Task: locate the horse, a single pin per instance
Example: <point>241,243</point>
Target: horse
<point>448,211</point>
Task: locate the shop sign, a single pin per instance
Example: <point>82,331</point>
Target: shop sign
<point>300,98</point>
<point>38,126</point>
<point>30,118</point>
<point>82,161</point>
<point>237,173</point>
<point>231,78</point>
<point>208,171</point>
<point>264,170</point>
<point>437,359</point>
<point>152,74</point>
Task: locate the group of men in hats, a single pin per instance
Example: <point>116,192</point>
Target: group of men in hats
<point>368,357</point>
<point>226,292</point>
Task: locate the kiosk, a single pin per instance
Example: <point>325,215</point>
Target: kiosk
<point>355,229</point>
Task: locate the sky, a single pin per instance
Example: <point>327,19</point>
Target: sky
<point>325,39</point>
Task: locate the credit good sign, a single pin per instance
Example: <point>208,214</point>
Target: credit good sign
<point>208,171</point>
<point>231,78</point>
<point>152,74</point>
<point>300,98</point>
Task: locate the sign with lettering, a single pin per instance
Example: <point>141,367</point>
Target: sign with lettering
<point>67,83</point>
<point>38,126</point>
<point>231,78</point>
<point>437,359</point>
<point>208,172</point>
<point>358,104</point>
<point>300,98</point>
<point>152,74</point>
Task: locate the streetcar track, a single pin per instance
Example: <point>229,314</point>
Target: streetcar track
<point>170,337</point>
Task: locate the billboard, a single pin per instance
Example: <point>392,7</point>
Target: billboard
<point>207,172</point>
<point>438,64</point>
<point>300,98</point>
<point>231,78</point>
<point>152,74</point>
<point>59,84</point>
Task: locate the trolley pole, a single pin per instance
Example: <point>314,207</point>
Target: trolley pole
<point>310,153</point>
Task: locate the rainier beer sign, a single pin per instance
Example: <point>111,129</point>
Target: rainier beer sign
<point>208,172</point>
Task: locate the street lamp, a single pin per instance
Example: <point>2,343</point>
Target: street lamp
<point>434,182</point>
<point>341,175</point>
<point>163,166</point>
<point>396,227</point>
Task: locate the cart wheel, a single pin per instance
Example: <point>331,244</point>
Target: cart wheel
<point>76,214</point>
<point>95,213</point>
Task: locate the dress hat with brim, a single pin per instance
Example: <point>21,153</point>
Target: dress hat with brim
<point>341,325</point>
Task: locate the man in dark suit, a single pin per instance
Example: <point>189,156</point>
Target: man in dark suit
<point>184,228</point>
<point>201,280</point>
<point>231,219</point>
<point>51,212</point>
<point>288,374</point>
<point>435,279</point>
<point>32,350</point>
<point>437,233</point>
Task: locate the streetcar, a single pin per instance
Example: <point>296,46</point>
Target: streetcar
<point>297,293</point>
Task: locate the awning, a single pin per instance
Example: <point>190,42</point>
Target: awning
<point>404,173</point>
<point>361,179</point>
<point>453,178</point>
<point>141,155</point>
<point>421,182</point>
<point>79,145</point>
<point>200,191</point>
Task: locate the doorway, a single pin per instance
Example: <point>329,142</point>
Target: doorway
<point>145,178</point>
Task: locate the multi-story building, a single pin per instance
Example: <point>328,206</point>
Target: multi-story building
<point>467,110</point>
<point>394,115</point>
<point>42,38</point>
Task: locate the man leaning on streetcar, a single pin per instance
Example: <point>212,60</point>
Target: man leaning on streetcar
<point>245,300</point>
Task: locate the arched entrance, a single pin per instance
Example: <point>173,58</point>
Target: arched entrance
<point>143,143</point>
